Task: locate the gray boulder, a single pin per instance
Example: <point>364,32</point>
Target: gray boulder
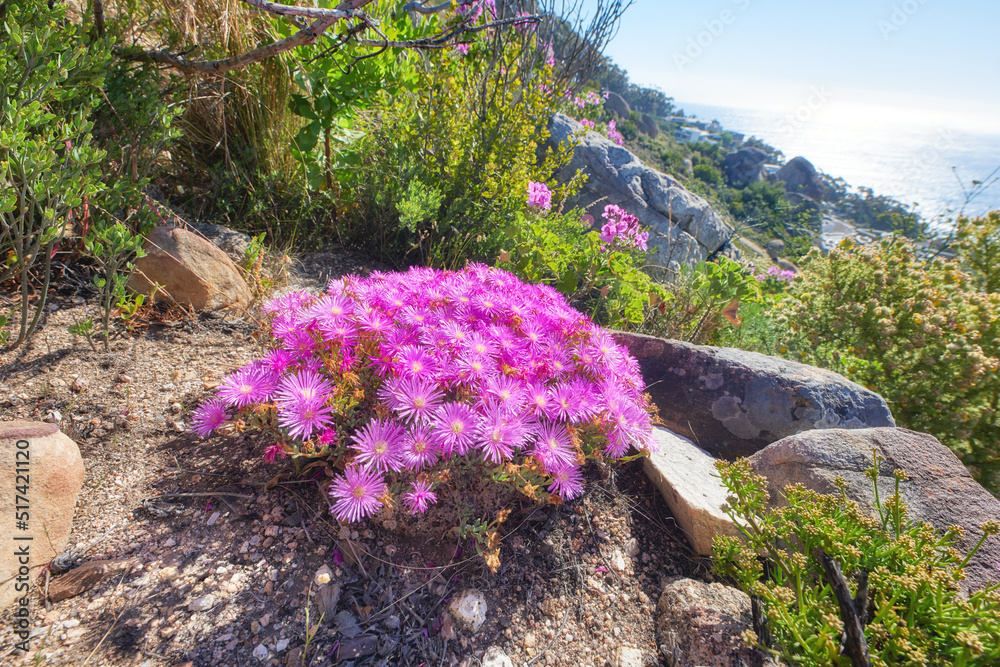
<point>939,491</point>
<point>733,403</point>
<point>617,105</point>
<point>683,227</point>
<point>745,166</point>
<point>801,177</point>
<point>652,126</point>
<point>700,624</point>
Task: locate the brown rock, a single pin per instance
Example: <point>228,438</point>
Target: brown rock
<point>700,624</point>
<point>192,271</point>
<point>54,476</point>
<point>83,578</point>
<point>940,491</point>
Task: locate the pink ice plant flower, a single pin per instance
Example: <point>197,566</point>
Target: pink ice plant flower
<point>420,498</point>
<point>208,417</point>
<point>613,133</point>
<point>416,369</point>
<point>356,494</point>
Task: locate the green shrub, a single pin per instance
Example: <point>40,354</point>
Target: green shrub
<point>562,251</point>
<point>703,298</point>
<point>915,611</point>
<point>921,335</point>
<point>977,241</point>
<point>468,128</point>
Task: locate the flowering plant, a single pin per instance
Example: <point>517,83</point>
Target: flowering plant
<point>903,576</point>
<point>397,377</point>
<point>621,231</point>
<point>539,196</point>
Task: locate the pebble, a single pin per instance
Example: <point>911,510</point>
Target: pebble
<point>530,640</point>
<point>204,603</point>
<point>469,610</point>
<point>281,645</point>
<point>261,653</point>
<point>495,657</point>
<point>171,542</point>
<point>215,517</point>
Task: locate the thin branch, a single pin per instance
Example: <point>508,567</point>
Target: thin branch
<point>418,7</point>
<point>444,40</point>
<point>325,18</point>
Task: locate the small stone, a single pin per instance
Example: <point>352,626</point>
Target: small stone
<point>168,632</point>
<point>54,417</point>
<point>215,517</point>
<point>204,603</point>
<point>632,548</point>
<point>261,653</point>
<point>469,610</point>
<point>281,646</point>
<point>495,657</point>
<point>626,656</point>
<point>57,382</point>
<point>529,640</point>
<point>171,542</point>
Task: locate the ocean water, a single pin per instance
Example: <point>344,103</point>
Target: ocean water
<point>918,161</point>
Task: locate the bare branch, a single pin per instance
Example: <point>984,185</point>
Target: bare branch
<point>444,40</point>
<point>325,18</point>
<point>418,7</point>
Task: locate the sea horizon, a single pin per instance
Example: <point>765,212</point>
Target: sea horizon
<point>921,161</point>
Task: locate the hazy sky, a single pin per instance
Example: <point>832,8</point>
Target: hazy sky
<point>927,57</point>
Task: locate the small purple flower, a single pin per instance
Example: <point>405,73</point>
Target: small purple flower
<point>567,482</point>
<point>379,445</point>
<point>463,49</point>
<point>539,196</point>
<point>208,416</point>
<point>419,450</point>
<point>273,453</point>
<point>248,385</point>
<point>357,494</point>
<point>553,447</point>
<point>420,498</point>
<point>454,427</point>
<point>613,133</point>
<point>413,398</point>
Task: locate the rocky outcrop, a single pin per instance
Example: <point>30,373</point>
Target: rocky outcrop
<point>49,485</point>
<point>801,177</point>
<point>734,403</point>
<point>190,271</point>
<point>939,491</point>
<point>689,483</point>
<point>683,226</point>
<point>745,166</point>
<point>652,126</point>
<point>700,624</point>
<point>617,105</point>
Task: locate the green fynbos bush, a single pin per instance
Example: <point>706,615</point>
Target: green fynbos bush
<point>922,335</point>
<point>913,613</point>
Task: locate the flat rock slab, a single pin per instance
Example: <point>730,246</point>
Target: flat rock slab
<point>733,403</point>
<point>686,476</point>
<point>940,491</point>
<point>41,474</point>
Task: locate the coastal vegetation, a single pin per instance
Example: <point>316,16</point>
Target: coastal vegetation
<point>420,137</point>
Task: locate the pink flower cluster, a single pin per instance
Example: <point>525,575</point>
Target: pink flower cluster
<point>774,273</point>
<point>613,133</point>
<point>539,196</point>
<point>473,9</point>
<point>472,363</point>
<point>622,230</point>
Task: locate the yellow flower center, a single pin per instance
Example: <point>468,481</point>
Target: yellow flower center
<point>359,492</point>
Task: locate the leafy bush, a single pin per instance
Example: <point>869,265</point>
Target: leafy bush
<point>562,251</point>
<point>903,576</point>
<point>469,127</point>
<point>703,298</point>
<point>398,379</point>
<point>921,335</point>
<point>51,182</point>
<point>977,241</point>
